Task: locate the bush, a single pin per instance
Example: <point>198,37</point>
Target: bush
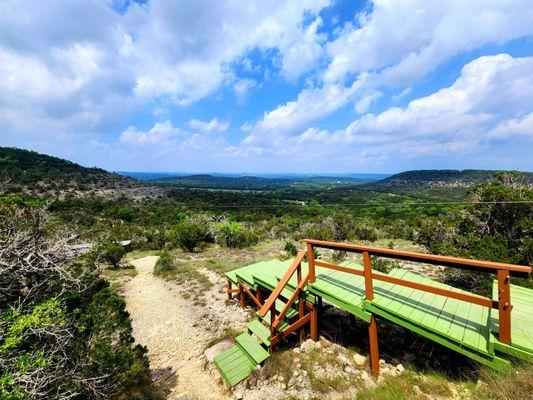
<point>189,235</point>
<point>235,235</point>
<point>291,249</point>
<point>63,332</point>
<point>164,264</point>
<point>113,253</point>
<point>364,232</point>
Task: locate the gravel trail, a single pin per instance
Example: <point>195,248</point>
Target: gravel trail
<point>174,332</point>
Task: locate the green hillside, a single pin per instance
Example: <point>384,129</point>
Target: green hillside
<point>32,173</point>
<point>444,182</point>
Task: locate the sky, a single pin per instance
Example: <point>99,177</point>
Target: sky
<point>307,86</point>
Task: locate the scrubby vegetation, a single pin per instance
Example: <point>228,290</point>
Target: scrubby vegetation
<point>63,332</point>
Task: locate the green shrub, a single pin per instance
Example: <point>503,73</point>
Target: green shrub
<point>235,235</point>
<point>291,249</point>
<point>189,235</point>
<point>165,264</point>
<point>113,253</point>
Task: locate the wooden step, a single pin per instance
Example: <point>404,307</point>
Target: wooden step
<point>234,364</point>
<point>252,347</point>
<point>282,325</point>
<point>260,330</point>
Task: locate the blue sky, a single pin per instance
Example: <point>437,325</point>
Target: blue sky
<point>304,86</point>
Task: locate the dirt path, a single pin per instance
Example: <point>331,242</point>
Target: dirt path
<point>176,332</point>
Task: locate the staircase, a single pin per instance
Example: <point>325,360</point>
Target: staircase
<point>276,319</point>
<point>252,348</point>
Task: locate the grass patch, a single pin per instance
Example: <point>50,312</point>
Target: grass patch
<point>280,363</point>
<point>133,255</point>
<point>228,333</point>
<point>181,272</point>
<point>515,384</point>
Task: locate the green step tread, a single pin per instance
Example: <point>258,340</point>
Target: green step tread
<point>260,330</point>
<point>250,346</point>
<point>282,325</point>
<point>234,365</point>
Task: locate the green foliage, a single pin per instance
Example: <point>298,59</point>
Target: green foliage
<point>112,253</point>
<point>67,334</point>
<point>190,235</point>
<point>291,249</point>
<point>384,265</point>
<point>234,235</point>
<point>165,263</point>
<point>126,213</point>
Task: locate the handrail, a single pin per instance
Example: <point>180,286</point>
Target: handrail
<point>281,284</point>
<point>249,293</point>
<point>504,273</point>
<point>291,300</point>
<point>472,298</point>
<point>514,270</point>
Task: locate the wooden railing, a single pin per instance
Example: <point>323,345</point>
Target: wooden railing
<point>270,303</point>
<point>503,271</point>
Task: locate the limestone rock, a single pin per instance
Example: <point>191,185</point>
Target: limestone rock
<point>218,348</point>
<point>359,360</point>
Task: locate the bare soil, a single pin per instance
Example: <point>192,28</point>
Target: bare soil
<point>176,332</point>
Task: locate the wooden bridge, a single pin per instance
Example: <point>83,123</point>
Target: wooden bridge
<point>483,329</point>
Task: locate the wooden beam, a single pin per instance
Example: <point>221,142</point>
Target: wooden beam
<point>250,294</point>
<point>229,291</point>
<point>281,284</point>
<point>301,322</point>
<point>311,263</point>
<point>314,323</point>
<point>487,266</point>
<point>339,268</point>
<point>504,309</point>
<point>369,286</point>
<point>297,292</point>
<point>373,345</point>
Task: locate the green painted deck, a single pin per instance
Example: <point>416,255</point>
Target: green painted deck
<point>459,325</point>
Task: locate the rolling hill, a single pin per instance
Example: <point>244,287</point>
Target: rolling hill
<point>34,174</point>
<point>446,182</point>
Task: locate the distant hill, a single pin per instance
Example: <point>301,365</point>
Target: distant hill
<point>31,173</point>
<point>439,182</point>
<point>205,181</point>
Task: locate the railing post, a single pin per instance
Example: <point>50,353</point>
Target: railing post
<point>372,327</point>
<point>369,287</point>
<point>311,263</point>
<point>504,306</point>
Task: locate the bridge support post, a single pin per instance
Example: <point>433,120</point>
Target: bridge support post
<point>504,306</point>
<point>373,344</point>
<point>241,295</point>
<point>314,323</point>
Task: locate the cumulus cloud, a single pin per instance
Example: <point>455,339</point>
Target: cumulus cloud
<point>456,121</point>
<point>209,126</point>
<point>62,74</point>
<point>396,43</point>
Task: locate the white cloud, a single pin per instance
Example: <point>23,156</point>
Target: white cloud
<point>209,126</point>
<point>65,75</point>
<point>161,133</point>
<point>398,42</point>
<point>457,121</point>
<point>242,87</point>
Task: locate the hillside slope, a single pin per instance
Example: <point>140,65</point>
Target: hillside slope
<point>446,182</point>
<point>31,173</point>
